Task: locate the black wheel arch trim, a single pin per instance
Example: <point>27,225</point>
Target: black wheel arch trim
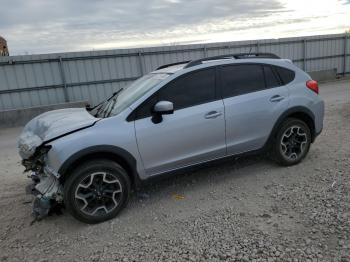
<point>112,151</point>
<point>286,114</point>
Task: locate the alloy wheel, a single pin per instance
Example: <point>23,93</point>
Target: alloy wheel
<point>98,194</point>
<point>294,142</point>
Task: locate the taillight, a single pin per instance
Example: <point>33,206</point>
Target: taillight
<point>312,85</point>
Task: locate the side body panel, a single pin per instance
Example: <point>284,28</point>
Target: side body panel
<point>184,138</point>
<point>254,99</point>
<point>250,118</point>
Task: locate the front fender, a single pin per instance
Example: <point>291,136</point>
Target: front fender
<point>106,136</point>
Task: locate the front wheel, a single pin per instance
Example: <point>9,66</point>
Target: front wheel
<point>292,142</point>
<point>96,191</point>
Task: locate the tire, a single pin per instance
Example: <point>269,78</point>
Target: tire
<point>96,191</point>
<point>292,142</point>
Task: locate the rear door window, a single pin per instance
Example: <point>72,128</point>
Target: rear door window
<point>242,79</point>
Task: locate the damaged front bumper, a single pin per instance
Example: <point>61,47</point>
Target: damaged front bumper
<point>44,185</point>
<point>47,190</point>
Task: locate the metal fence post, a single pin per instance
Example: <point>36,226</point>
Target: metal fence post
<point>345,53</point>
<point>205,51</point>
<point>304,54</point>
<point>257,47</point>
<point>142,70</point>
<point>63,77</point>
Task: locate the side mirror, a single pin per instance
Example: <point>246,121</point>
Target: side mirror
<point>164,108</point>
<point>160,109</point>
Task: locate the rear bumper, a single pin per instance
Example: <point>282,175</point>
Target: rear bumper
<point>318,110</point>
<point>317,134</point>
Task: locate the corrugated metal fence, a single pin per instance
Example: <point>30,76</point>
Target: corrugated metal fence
<point>36,80</point>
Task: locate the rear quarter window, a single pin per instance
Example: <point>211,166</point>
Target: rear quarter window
<point>271,78</point>
<point>285,74</point>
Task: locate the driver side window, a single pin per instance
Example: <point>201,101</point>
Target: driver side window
<point>189,90</point>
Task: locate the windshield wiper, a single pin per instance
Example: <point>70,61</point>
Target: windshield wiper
<point>114,94</point>
<point>108,112</point>
<point>105,101</point>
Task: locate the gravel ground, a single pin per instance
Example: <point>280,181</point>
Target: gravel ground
<point>242,210</point>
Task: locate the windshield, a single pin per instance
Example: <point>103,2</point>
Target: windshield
<point>123,99</point>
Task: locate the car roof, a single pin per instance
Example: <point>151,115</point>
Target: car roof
<point>222,59</point>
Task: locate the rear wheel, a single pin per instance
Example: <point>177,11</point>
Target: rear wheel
<point>292,142</point>
<point>96,191</point>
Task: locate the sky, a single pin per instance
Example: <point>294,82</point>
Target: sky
<point>51,26</point>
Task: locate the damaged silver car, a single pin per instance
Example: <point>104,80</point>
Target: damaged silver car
<point>85,158</point>
<point>179,116</point>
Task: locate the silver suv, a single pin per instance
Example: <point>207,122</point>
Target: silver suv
<point>179,116</point>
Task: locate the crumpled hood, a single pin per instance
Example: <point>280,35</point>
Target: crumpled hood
<point>51,125</point>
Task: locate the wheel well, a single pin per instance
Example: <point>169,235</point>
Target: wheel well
<point>297,114</point>
<point>102,155</point>
<point>306,119</point>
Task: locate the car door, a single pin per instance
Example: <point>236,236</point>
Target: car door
<point>254,98</point>
<point>194,133</point>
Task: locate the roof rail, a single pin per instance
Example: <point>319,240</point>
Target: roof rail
<point>172,64</point>
<point>230,56</point>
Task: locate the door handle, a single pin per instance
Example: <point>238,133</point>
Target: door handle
<point>212,114</point>
<point>276,98</point>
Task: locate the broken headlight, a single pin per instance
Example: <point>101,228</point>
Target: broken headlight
<point>36,162</point>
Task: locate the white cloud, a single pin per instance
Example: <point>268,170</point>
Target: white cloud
<point>40,26</point>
